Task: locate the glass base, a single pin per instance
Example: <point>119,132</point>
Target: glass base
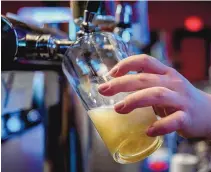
<point>122,159</point>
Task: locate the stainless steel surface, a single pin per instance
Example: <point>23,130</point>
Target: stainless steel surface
<point>41,47</point>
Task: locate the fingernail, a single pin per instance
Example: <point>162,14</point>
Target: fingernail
<point>151,131</point>
<point>114,71</point>
<point>103,87</point>
<point>119,106</point>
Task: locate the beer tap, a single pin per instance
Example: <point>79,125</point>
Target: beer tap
<point>31,45</point>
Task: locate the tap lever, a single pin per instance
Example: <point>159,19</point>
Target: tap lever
<point>87,26</point>
<point>88,16</point>
<point>93,6</point>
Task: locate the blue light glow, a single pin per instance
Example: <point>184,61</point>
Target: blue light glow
<point>33,116</point>
<point>38,87</point>
<point>97,40</point>
<point>72,30</point>
<point>126,36</point>
<point>118,8</point>
<point>128,13</point>
<point>18,18</point>
<point>46,14</point>
<point>14,124</point>
<point>21,43</point>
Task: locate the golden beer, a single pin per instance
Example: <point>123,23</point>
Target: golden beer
<point>125,134</point>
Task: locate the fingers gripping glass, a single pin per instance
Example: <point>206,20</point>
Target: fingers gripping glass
<point>86,65</point>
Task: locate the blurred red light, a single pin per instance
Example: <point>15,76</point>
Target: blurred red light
<point>193,24</point>
<point>158,166</point>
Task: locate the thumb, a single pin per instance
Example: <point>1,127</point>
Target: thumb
<point>173,122</point>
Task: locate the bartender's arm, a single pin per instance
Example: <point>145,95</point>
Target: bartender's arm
<point>187,109</point>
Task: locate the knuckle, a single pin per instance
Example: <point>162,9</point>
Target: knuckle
<point>172,71</point>
<point>145,59</point>
<point>142,78</point>
<point>179,81</point>
<point>178,84</point>
<point>160,93</point>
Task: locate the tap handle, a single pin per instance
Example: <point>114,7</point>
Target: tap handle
<point>88,16</point>
<point>91,9</point>
<point>93,6</point>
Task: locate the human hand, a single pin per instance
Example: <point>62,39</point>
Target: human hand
<point>187,109</point>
